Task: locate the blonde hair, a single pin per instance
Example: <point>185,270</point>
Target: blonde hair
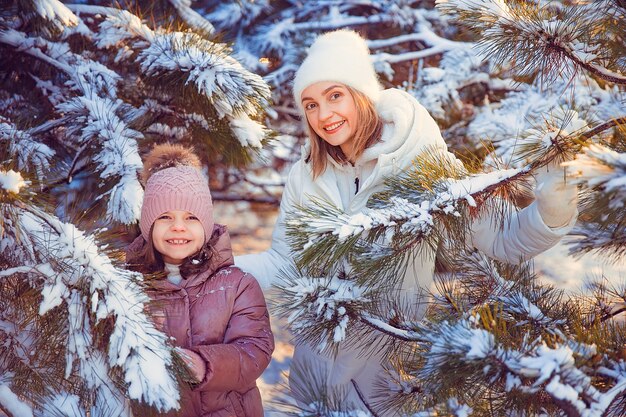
<point>369,128</point>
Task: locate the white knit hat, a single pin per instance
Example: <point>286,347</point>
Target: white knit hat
<point>340,56</point>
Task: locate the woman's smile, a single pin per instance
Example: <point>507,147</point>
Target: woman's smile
<point>334,127</point>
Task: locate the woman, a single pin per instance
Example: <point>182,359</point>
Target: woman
<point>359,135</point>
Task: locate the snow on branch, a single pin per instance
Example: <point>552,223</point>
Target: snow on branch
<point>399,213</point>
<point>482,9</point>
<point>226,84</point>
<point>29,152</point>
<point>249,132</point>
<point>532,118</point>
<point>584,56</point>
<point>426,35</point>
<point>10,402</point>
<point>11,181</point>
<point>535,368</point>
<point>78,276</point>
<point>55,12</point>
<point>320,309</point>
<point>599,166</point>
<point>535,38</point>
<point>217,76</point>
<point>191,17</point>
<point>85,75</point>
<point>95,118</point>
<point>551,135</point>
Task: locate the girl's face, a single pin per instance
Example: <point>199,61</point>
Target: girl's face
<point>331,112</point>
<point>176,235</point>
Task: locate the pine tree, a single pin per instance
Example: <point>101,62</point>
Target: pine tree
<point>495,340</point>
<point>84,92</point>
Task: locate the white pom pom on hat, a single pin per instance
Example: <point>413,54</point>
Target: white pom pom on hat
<point>341,56</point>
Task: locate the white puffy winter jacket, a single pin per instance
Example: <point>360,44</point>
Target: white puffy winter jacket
<point>408,131</point>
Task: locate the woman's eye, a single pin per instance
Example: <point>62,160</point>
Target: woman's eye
<point>335,95</point>
<point>309,106</point>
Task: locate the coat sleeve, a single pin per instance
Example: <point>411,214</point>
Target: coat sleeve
<point>266,265</point>
<point>523,236</point>
<point>248,344</point>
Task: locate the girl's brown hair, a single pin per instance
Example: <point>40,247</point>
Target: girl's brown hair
<point>148,260</point>
<point>368,131</point>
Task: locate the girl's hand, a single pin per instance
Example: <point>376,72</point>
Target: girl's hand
<point>194,362</point>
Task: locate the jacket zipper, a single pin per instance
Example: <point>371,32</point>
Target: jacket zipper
<point>356,182</point>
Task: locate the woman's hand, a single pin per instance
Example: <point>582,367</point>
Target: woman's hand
<point>556,197</point>
<point>194,362</point>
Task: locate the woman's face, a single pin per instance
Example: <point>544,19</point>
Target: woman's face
<point>331,112</point>
<point>176,235</point>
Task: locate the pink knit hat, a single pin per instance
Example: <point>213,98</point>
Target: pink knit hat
<point>177,188</point>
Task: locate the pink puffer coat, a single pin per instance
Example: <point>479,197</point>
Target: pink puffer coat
<point>221,315</point>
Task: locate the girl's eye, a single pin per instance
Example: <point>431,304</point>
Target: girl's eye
<point>164,217</point>
<point>192,218</point>
<point>309,106</point>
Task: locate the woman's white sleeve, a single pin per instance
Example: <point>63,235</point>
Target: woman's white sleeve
<point>265,266</point>
<point>521,237</point>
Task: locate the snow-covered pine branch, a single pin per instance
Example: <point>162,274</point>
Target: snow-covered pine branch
<point>319,310</point>
<point>544,40</point>
<point>536,367</point>
<point>406,214</point>
<point>534,107</point>
<point>552,366</point>
<point>602,171</point>
<point>224,99</point>
<point>93,120</point>
<point>233,91</point>
<point>602,167</point>
<point>29,153</point>
<point>101,337</point>
<point>192,18</point>
<point>54,14</point>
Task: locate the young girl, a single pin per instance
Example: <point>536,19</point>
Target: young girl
<point>359,135</point>
<point>212,310</point>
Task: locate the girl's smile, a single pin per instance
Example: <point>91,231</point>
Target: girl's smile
<point>176,235</point>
